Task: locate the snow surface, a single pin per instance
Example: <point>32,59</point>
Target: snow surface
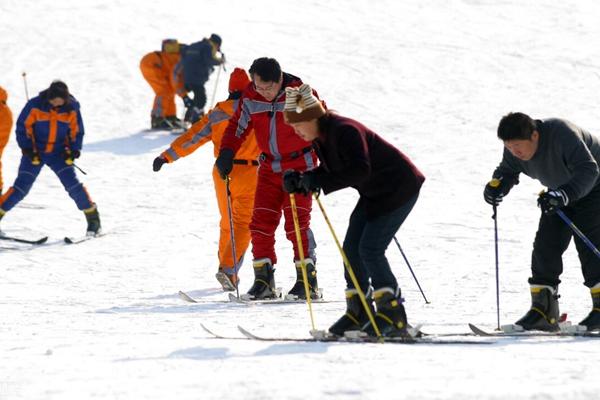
<point>103,320</point>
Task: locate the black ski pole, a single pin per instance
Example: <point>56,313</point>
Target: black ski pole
<point>411,270</point>
<point>495,218</point>
<point>232,237</point>
<point>587,241</point>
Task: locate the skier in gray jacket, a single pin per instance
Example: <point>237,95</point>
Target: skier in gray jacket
<point>565,159</point>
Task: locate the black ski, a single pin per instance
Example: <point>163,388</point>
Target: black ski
<point>276,300</point>
<point>19,240</point>
<point>481,332</point>
<point>81,239</point>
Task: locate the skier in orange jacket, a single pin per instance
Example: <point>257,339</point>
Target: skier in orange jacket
<point>243,177</point>
<point>6,121</point>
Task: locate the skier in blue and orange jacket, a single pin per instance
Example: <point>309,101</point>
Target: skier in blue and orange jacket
<point>50,132</point>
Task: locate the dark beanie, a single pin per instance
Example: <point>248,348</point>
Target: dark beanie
<point>58,89</point>
<point>216,39</point>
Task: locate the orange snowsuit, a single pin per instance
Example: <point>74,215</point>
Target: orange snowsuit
<point>6,122</point>
<point>164,73</point>
<point>242,184</point>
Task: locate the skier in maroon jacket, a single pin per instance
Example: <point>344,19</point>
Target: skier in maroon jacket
<point>261,108</point>
<point>351,155</point>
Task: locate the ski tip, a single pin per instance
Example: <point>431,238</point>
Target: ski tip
<point>68,240</point>
<point>42,240</point>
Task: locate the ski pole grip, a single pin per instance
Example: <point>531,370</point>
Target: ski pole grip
<point>494,183</point>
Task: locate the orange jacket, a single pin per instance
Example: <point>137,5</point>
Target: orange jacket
<point>165,66</point>
<point>6,120</point>
<point>211,127</point>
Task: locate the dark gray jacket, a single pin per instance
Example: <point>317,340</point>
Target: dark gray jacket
<point>567,158</point>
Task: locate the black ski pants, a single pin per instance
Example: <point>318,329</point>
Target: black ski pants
<point>553,237</point>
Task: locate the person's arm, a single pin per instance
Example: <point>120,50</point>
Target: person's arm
<point>581,163</point>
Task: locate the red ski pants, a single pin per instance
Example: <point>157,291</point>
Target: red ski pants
<point>269,202</point>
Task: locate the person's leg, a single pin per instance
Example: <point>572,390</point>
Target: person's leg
<point>20,188</point>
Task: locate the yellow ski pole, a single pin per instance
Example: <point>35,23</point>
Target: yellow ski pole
<point>361,295</point>
<point>301,254</point>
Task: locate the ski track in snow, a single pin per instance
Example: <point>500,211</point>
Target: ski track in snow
<point>103,318</point>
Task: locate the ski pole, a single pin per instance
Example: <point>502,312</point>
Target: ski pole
<point>301,254</point>
<point>232,236</point>
<point>24,75</point>
<point>212,101</point>
<point>587,241</point>
<point>411,270</point>
<point>348,267</point>
<point>495,218</point>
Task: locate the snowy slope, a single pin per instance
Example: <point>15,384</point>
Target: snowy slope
<point>103,319</point>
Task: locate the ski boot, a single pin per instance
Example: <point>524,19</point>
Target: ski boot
<point>391,316</point>
<point>264,281</point>
<point>543,315</point>
<point>227,280</point>
<point>356,316</point>
<point>298,292</point>
<point>93,221</point>
<point>160,123</point>
<point>592,321</point>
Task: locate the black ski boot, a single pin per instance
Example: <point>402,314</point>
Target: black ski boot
<point>298,291</point>
<point>592,321</point>
<point>264,281</point>
<point>391,316</point>
<point>93,221</point>
<point>356,316</point>
<point>543,315</point>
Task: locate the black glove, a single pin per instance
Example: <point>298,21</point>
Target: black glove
<point>296,182</point>
<point>32,155</point>
<point>495,190</point>
<point>224,162</point>
<point>158,163</point>
<point>552,200</point>
<point>70,155</point>
<point>193,114</point>
<point>188,102</point>
<point>291,181</point>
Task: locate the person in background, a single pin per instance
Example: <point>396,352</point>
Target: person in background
<point>6,121</point>
<point>50,132</point>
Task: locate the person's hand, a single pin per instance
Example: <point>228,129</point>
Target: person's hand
<point>224,162</point>
<point>552,200</point>
<point>495,190</point>
<point>32,155</point>
<point>296,182</point>
<point>158,163</point>
<point>187,102</point>
<point>291,181</point>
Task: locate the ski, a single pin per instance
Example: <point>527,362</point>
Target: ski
<point>81,239</point>
<point>276,300</point>
<point>575,332</point>
<point>324,337</point>
<point>185,297</point>
<point>19,240</point>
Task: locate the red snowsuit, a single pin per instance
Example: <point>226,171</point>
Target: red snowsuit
<point>281,150</point>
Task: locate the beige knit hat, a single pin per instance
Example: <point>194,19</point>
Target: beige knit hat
<point>301,105</point>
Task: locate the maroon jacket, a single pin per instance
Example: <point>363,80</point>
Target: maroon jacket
<point>353,155</point>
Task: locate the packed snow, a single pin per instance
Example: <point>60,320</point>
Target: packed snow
<point>102,319</point>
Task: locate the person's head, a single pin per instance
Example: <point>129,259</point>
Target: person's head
<point>267,77</point>
<point>302,111</point>
<point>216,40</point>
<point>3,95</point>
<point>170,46</point>
<point>238,81</point>
<point>519,134</point>
<point>57,94</point>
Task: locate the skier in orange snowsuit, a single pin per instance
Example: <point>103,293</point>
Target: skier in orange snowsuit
<point>6,122</point>
<point>243,177</point>
<point>163,71</point>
